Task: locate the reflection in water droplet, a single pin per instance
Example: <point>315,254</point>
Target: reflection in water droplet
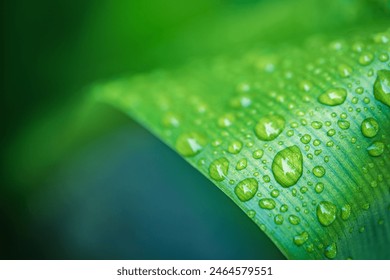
<point>345,212</point>
<point>319,171</point>
<point>235,147</point>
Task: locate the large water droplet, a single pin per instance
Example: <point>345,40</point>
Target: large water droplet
<point>246,189</point>
<point>331,251</point>
<point>269,127</point>
<point>267,203</point>
<point>382,87</point>
<point>333,97</point>
<point>218,169</point>
<point>287,166</point>
<point>376,149</point>
<point>190,144</point>
<point>301,238</point>
<point>326,213</point>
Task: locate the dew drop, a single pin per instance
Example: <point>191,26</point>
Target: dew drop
<point>283,208</point>
<point>319,188</point>
<point>267,203</point>
<point>305,139</point>
<point>171,120</point>
<point>251,214</point>
<point>343,124</point>
<point>366,58</point>
<point>370,127</point>
<point>190,144</point>
<point>218,169</point>
<point>246,189</point>
<point>345,212</point>
<point>316,124</point>
<point>331,251</point>
<point>235,147</point>
<point>382,87</point>
<point>333,97</point>
<point>326,213</point>
<point>269,127</point>
<point>258,154</point>
<point>241,164</point>
<point>287,166</point>
<point>331,132</point>
<point>319,171</point>
<point>294,220</point>
<point>226,120</point>
<point>275,193</point>
<point>376,149</point>
<point>300,239</point>
<point>278,219</point>
<point>344,70</point>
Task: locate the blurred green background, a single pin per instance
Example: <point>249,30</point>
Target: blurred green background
<point>84,181</point>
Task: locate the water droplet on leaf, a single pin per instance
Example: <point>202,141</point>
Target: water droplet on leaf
<point>269,127</point>
<point>326,213</point>
<point>218,169</point>
<point>287,166</point>
<point>246,189</point>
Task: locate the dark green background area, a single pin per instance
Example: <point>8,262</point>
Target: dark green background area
<point>121,193</point>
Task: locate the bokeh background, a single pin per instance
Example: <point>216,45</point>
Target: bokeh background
<point>82,181</point>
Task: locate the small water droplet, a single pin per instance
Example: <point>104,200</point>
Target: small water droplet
<point>376,149</point>
<point>241,164</point>
<point>294,220</point>
<point>343,124</point>
<point>300,239</point>
<point>278,219</point>
<point>316,124</point>
<point>326,213</point>
<point>333,97</point>
<point>319,171</point>
<point>171,120</point>
<point>267,203</point>
<point>251,213</point>
<point>218,169</point>
<point>319,188</point>
<point>235,147</point>
<point>370,127</point>
<point>258,154</point>
<point>246,189</point>
<point>226,120</point>
<point>345,212</point>
<point>283,208</point>
<point>269,127</point>
<point>344,70</point>
<point>382,87</point>
<point>305,139</point>
<point>190,144</point>
<point>287,166</point>
<point>275,193</point>
<point>366,58</point>
<point>331,132</point>
<point>331,251</point>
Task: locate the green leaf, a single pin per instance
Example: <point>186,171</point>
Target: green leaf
<point>297,137</point>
